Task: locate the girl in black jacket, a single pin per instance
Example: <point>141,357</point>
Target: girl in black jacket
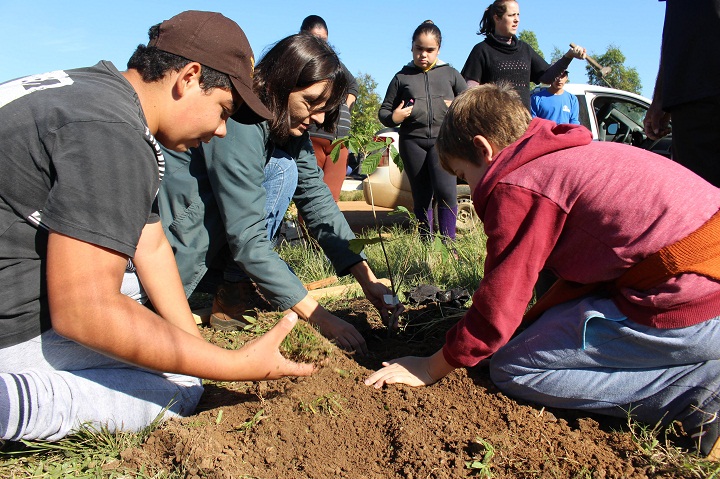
<point>417,99</point>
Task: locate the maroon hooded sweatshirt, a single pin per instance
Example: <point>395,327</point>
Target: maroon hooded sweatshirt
<point>587,211</point>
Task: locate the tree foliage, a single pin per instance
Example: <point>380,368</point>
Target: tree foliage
<point>365,121</point>
<point>529,37</point>
<point>557,54</point>
<point>620,77</point>
<point>361,140</point>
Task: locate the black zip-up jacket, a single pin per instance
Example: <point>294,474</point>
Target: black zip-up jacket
<point>428,90</point>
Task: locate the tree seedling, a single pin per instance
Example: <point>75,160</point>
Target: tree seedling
<point>481,467</point>
<point>373,150</point>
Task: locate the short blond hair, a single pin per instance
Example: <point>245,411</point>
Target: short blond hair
<point>494,111</point>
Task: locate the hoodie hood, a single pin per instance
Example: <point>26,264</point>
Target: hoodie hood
<point>541,138</point>
<point>438,63</point>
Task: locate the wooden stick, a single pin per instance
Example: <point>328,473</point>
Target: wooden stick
<point>341,290</point>
<point>601,69</point>
<point>321,283</point>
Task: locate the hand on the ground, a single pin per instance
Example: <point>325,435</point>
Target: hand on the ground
<point>410,370</point>
<point>262,355</point>
<point>656,122</point>
<point>375,292</point>
<point>576,52</point>
<point>342,332</point>
<point>400,114</point>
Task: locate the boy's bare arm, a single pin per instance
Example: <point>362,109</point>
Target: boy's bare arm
<point>86,305</point>
<point>159,276</point>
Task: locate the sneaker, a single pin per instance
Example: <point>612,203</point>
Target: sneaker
<point>233,303</point>
<point>706,438</point>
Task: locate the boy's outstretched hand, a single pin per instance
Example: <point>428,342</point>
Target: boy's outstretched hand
<point>411,370</point>
<point>260,358</point>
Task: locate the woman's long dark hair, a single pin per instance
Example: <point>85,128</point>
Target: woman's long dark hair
<point>294,62</point>
<point>496,9</point>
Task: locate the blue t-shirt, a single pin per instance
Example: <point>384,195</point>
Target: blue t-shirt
<point>562,108</point>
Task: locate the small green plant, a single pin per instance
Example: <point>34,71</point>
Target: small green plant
<point>481,467</point>
<point>252,422</point>
<point>328,404</point>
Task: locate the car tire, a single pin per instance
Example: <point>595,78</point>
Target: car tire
<point>467,218</point>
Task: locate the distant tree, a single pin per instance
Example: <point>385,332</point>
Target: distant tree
<point>365,121</point>
<point>529,37</point>
<point>556,55</point>
<point>620,77</point>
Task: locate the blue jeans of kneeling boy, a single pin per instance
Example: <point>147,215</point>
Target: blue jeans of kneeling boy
<point>585,354</point>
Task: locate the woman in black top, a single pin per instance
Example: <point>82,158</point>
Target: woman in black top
<point>502,57</point>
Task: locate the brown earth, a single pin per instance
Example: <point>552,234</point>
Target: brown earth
<point>332,425</point>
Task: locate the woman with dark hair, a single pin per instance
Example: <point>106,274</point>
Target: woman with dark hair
<point>224,201</point>
<point>334,172</point>
<point>503,57</point>
<point>417,98</point>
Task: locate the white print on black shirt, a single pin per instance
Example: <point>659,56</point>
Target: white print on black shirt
<point>14,89</point>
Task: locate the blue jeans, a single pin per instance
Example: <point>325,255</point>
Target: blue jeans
<point>50,386</point>
<point>587,355</point>
<point>281,179</point>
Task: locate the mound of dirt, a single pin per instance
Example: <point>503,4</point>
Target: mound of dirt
<point>332,425</point>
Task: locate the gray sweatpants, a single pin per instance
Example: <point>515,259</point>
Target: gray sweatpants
<point>587,355</point>
<point>49,386</point>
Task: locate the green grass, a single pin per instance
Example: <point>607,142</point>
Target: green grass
<point>414,261</point>
<point>90,452</point>
<point>355,195</point>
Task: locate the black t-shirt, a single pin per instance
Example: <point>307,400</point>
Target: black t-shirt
<point>492,61</point>
<point>77,158</point>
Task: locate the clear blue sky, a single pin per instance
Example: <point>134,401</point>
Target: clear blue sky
<point>370,36</point>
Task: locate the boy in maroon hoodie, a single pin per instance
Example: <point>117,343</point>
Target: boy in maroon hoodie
<point>633,325</point>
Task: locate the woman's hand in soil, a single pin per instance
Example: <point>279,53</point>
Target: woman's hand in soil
<point>330,326</point>
<point>411,370</point>
<point>260,359</point>
<point>376,293</point>
<point>342,332</point>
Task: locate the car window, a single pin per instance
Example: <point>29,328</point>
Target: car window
<point>621,120</point>
<point>618,119</point>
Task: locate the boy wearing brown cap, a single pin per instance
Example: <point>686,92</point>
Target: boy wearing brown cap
<point>633,325</point>
<point>78,200</point>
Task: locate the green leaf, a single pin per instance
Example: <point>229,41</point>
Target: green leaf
<point>358,244</point>
<point>335,153</point>
<point>395,157</point>
<point>400,210</point>
<point>370,163</point>
<point>344,140</point>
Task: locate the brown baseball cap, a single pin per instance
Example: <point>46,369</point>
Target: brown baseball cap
<point>215,41</point>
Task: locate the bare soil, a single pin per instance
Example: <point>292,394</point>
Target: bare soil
<point>332,425</point>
